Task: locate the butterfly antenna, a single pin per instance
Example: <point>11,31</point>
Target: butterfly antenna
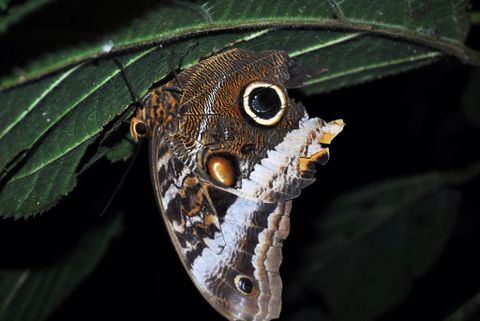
<point>122,180</point>
<point>136,99</point>
<point>125,76</point>
<point>187,52</point>
<point>174,69</point>
<point>180,62</point>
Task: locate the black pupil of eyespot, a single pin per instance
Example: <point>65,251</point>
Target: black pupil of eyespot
<point>140,128</point>
<point>245,285</point>
<point>264,102</point>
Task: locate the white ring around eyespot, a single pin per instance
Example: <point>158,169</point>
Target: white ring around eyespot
<point>259,120</point>
<point>236,281</point>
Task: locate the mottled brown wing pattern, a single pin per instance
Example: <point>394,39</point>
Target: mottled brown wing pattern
<point>210,113</point>
<point>223,241</point>
<point>229,151</point>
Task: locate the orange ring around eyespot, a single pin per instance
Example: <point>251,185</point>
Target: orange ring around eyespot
<point>221,170</point>
<point>133,128</point>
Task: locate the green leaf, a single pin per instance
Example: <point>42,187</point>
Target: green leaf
<point>34,293</point>
<point>17,12</point>
<point>372,244</point>
<point>48,123</point>
<point>40,189</point>
<point>3,4</point>
<point>475,17</point>
<point>440,26</point>
<point>122,150</point>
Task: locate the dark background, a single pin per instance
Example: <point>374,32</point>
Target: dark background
<point>397,126</point>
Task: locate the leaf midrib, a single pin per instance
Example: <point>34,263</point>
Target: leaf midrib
<point>18,285</point>
<point>446,45</point>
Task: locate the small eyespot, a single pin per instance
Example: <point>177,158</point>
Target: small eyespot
<point>244,284</point>
<point>140,128</point>
<point>264,102</point>
<point>222,170</point>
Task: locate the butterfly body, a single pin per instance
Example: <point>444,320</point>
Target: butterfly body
<point>229,151</point>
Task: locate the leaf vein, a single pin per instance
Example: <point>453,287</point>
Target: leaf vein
<point>39,99</point>
<point>21,280</point>
<point>373,66</point>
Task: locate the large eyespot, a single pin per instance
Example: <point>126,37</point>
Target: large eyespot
<point>243,284</point>
<point>264,102</point>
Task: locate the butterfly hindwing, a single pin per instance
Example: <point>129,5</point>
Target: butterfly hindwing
<point>222,238</point>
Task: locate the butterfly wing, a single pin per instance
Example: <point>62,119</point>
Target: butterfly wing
<point>229,235</point>
<point>229,245</point>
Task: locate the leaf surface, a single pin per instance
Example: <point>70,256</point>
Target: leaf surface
<point>69,95</point>
<point>373,243</point>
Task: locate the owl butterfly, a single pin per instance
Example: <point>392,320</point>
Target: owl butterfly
<point>229,150</point>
